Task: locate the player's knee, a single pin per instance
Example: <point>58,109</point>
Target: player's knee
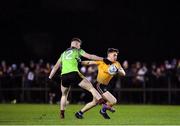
<point>114,101</point>
<point>64,94</point>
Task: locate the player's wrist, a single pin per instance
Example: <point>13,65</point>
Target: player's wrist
<point>120,69</point>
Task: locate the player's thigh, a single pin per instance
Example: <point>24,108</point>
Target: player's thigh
<point>109,97</point>
<point>64,90</point>
<point>95,101</point>
<point>85,84</point>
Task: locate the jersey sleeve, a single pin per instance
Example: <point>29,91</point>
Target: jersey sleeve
<point>81,52</point>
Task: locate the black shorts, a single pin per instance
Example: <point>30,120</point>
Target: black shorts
<point>101,88</point>
<point>71,79</point>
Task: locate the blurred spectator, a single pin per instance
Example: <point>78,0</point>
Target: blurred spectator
<point>125,65</point>
<point>21,70</point>
<point>91,73</point>
<point>178,71</point>
<point>125,81</point>
<point>32,75</point>
<point>3,68</point>
<point>167,65</point>
<point>83,70</point>
<point>174,63</point>
<point>141,73</point>
<point>47,69</point>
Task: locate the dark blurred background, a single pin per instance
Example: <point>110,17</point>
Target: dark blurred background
<point>141,30</point>
<point>33,34</point>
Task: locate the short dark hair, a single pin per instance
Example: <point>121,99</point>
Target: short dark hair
<point>110,50</point>
<point>76,39</point>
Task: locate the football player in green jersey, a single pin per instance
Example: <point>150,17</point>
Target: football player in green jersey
<point>70,74</point>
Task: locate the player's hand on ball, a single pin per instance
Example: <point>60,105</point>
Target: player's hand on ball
<point>112,69</point>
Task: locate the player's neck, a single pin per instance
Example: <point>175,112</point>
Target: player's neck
<point>73,47</point>
<point>109,59</point>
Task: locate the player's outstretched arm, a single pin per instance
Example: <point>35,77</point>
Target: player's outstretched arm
<point>92,57</point>
<point>55,68</point>
<point>86,63</point>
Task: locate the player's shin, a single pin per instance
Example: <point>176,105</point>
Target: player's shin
<point>88,106</point>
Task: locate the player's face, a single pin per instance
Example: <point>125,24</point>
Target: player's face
<point>76,44</point>
<point>113,56</point>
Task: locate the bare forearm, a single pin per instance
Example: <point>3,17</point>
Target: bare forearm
<point>94,57</point>
<point>121,72</point>
<point>88,63</point>
<point>85,63</point>
<point>53,71</point>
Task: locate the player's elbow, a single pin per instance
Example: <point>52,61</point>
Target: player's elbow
<point>122,73</point>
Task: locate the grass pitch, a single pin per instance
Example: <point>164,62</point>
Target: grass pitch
<point>44,114</point>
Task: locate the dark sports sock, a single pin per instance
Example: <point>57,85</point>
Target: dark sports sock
<point>62,114</point>
<point>104,108</point>
<point>62,111</point>
<point>80,112</point>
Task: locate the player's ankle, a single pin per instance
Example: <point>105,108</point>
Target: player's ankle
<point>62,111</point>
<point>80,112</point>
<point>62,114</point>
<point>103,109</point>
<point>107,106</point>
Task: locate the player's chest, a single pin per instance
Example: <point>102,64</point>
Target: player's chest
<point>103,67</point>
